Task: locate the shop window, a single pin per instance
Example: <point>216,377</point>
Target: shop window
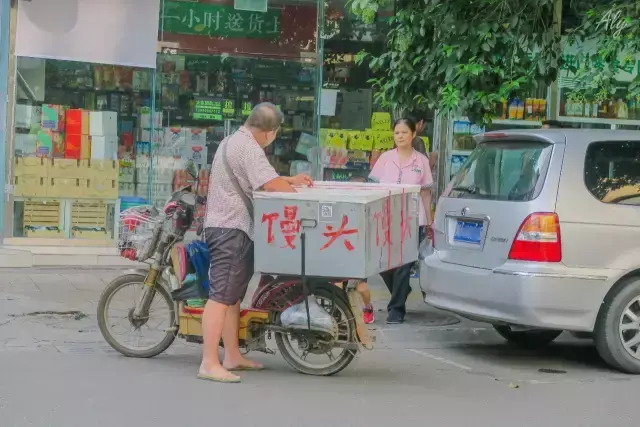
<point>205,98</point>
<point>612,172</point>
<point>354,129</point>
<point>80,147</point>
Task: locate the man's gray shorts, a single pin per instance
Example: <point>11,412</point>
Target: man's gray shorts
<point>231,268</point>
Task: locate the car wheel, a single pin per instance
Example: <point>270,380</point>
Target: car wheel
<point>617,334</point>
<point>527,339</point>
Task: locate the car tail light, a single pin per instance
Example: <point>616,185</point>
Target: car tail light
<point>538,239</point>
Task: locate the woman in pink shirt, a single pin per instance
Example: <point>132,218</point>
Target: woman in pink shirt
<point>404,165</point>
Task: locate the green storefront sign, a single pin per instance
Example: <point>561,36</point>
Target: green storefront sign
<point>220,21</point>
<point>208,109</point>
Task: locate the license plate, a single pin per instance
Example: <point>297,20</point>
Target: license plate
<point>468,232</point>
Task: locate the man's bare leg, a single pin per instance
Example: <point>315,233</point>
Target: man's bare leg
<point>213,323</point>
<point>233,359</point>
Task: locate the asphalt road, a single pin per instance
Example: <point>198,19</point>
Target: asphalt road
<point>56,371</point>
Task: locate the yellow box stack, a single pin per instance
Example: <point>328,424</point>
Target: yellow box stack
<point>30,176</point>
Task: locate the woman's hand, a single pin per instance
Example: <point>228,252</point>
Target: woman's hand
<point>301,179</point>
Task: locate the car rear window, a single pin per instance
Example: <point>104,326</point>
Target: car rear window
<point>505,170</point>
<point>612,171</point>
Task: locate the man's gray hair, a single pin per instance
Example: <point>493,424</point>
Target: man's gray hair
<point>265,117</point>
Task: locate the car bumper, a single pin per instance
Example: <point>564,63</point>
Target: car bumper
<point>515,294</point>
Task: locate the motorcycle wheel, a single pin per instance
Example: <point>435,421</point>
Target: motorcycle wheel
<point>288,343</point>
<point>130,344</point>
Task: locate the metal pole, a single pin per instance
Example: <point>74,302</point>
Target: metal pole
<point>5,19</point>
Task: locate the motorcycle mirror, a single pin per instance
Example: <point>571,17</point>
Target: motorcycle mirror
<point>192,169</point>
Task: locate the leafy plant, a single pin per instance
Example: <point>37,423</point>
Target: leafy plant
<point>606,42</point>
<point>463,56</point>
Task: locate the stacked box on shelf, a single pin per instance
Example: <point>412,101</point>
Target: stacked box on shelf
<point>150,127</point>
<point>103,180</point>
<point>89,220</point>
<point>27,123</point>
<point>77,143</point>
<point>67,178</point>
<point>103,126</point>
<point>50,138</point>
<point>30,176</point>
<point>42,219</point>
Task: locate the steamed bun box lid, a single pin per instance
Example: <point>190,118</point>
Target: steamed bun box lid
<point>353,230</point>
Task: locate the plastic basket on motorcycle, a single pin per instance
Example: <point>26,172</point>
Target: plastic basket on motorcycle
<point>138,232</point>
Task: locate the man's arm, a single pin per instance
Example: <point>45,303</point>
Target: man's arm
<point>278,185</point>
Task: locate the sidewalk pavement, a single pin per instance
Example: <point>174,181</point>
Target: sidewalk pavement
<point>54,309</point>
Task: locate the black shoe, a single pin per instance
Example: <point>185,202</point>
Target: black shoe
<point>395,318</point>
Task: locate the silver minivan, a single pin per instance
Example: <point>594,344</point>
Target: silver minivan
<point>539,233</point>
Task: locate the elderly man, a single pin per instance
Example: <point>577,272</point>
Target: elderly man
<point>239,168</point>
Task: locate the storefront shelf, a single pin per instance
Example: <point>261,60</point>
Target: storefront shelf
<point>596,120</point>
<point>507,122</point>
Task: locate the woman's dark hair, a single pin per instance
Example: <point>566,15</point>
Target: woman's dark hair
<point>410,123</point>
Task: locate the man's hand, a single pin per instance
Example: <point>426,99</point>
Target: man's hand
<point>300,179</point>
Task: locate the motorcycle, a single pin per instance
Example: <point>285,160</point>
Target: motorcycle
<point>317,326</point>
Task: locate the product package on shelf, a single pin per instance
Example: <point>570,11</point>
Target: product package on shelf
<point>25,144</point>
<point>333,157</point>
<point>28,116</point>
<point>103,123</point>
<point>104,147</point>
<point>149,122</point>
<point>77,147</point>
<point>30,175</point>
<point>77,122</point>
<point>196,153</point>
<point>383,140</point>
<point>381,121</point>
<point>53,117</point>
<point>50,143</point>
<point>67,187</point>
<point>68,168</point>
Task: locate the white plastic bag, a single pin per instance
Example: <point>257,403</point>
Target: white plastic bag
<point>296,317</point>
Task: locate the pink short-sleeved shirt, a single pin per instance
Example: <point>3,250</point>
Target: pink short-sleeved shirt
<point>415,171</point>
<point>249,163</point>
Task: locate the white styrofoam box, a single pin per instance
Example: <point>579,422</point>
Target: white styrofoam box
<point>28,116</point>
<point>174,137</point>
<point>104,147</point>
<point>25,143</point>
<point>353,231</point>
<point>103,123</point>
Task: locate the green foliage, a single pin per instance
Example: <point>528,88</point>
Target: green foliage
<point>463,55</point>
<point>611,33</point>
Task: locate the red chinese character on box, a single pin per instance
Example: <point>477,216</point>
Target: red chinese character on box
<point>383,224</point>
<point>289,226</point>
<point>340,232</point>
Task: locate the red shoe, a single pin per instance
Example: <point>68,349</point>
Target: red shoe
<point>368,316</point>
